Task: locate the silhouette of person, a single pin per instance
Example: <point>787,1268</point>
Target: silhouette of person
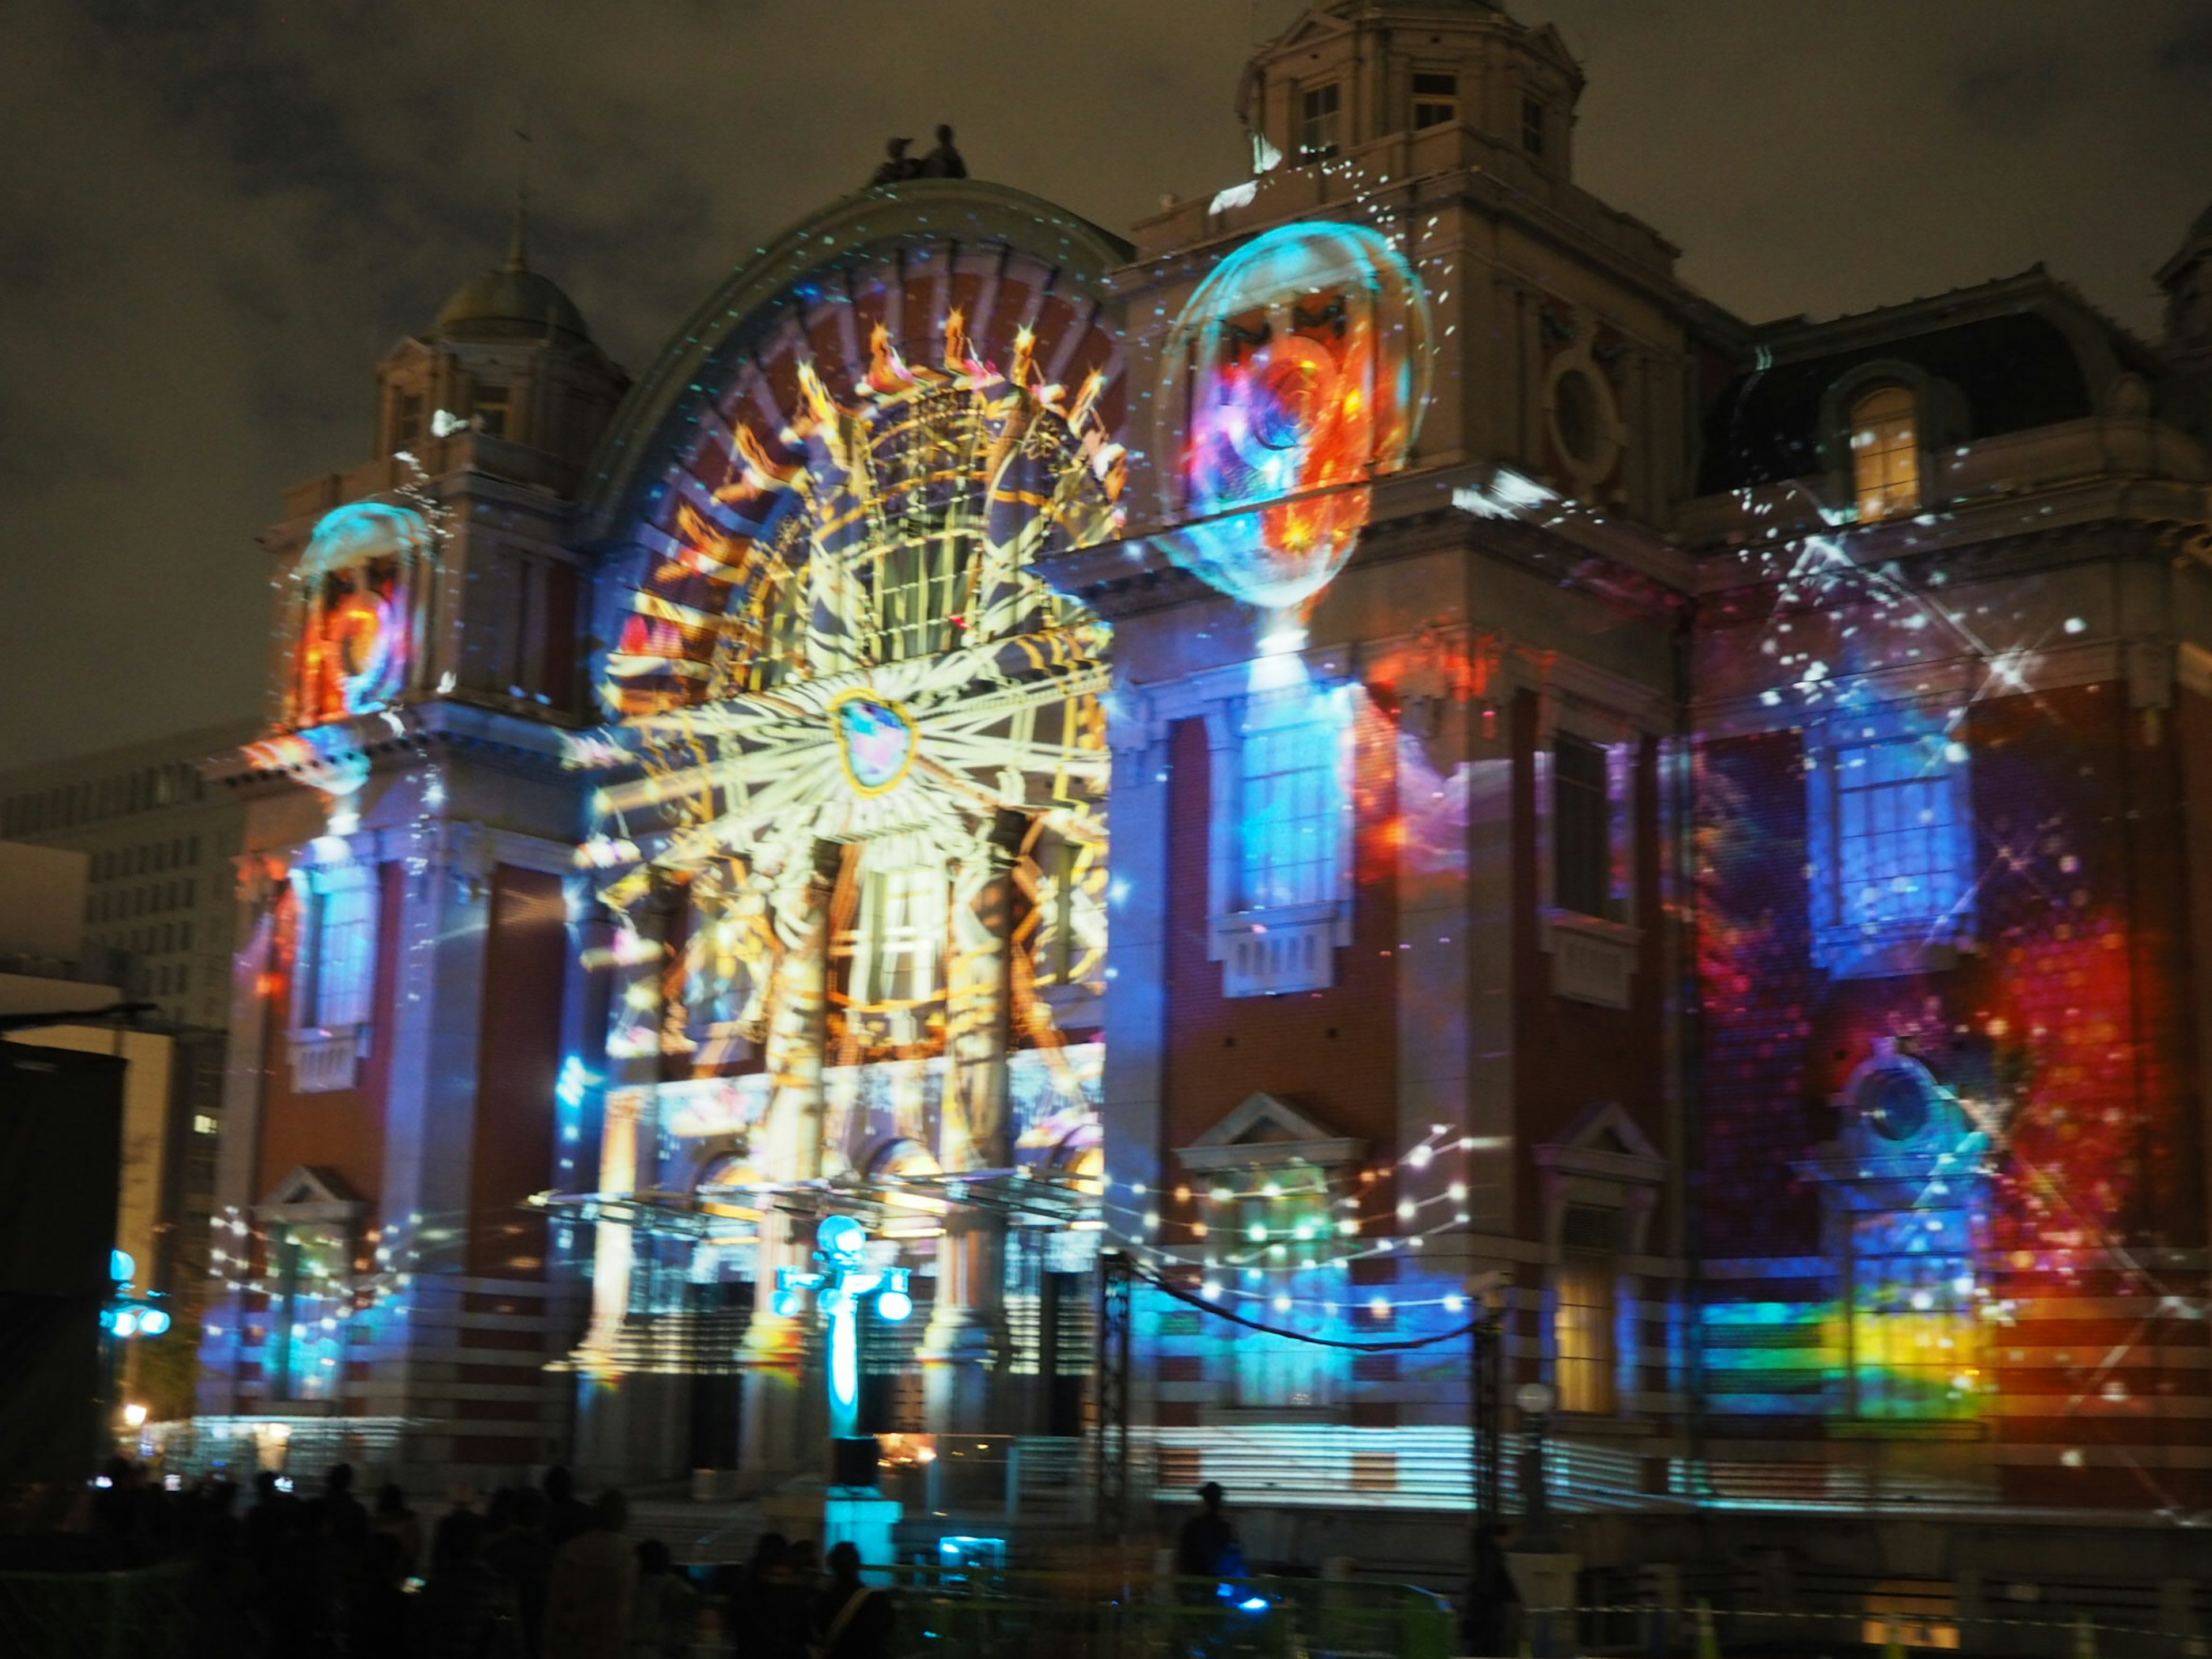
<point>944,161</point>
<point>895,164</point>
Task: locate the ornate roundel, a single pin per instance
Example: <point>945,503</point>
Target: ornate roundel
<point>1296,373</point>
<point>875,739</point>
<point>1893,1100</point>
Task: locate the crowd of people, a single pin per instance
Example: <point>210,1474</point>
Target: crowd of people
<point>534,1573</point>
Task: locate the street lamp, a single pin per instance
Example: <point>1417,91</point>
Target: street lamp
<point>1535,1400</point>
<point>845,1277</point>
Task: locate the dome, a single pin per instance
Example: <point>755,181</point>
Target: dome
<point>512,302</point>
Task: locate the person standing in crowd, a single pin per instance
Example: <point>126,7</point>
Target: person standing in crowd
<point>588,1614</point>
<point>662,1608</point>
<point>516,1549</point>
<point>753,1601</point>
<point>395,1521</point>
<point>566,1515</point>
<point>1207,1547</point>
<point>852,1620</point>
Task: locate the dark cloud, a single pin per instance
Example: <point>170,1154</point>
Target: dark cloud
<point>218,215</point>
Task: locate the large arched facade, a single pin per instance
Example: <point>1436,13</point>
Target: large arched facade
<point>846,822</point>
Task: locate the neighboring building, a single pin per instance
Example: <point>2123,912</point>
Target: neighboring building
<point>162,895</point>
<point>172,1090</point>
<point>1681,825</point>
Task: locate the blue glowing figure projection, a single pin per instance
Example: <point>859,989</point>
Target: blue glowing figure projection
<point>876,740</point>
<point>1298,372</point>
<point>845,1279</point>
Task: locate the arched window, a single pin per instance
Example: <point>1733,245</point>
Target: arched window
<point>1886,453</point>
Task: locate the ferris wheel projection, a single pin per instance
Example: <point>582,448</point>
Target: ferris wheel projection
<point>839,639</point>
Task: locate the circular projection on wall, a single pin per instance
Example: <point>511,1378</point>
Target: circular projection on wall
<point>1298,372</point>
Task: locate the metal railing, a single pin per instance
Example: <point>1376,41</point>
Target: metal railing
<point>1015,1616</point>
<point>148,1613</point>
<point>1000,1478</point>
<point>1883,1624</point>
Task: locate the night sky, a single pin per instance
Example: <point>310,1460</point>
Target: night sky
<point>215,217</point>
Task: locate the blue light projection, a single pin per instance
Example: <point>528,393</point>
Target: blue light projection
<point>847,1277</point>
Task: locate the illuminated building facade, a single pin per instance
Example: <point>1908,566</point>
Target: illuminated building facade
<point>402,996</point>
<point>1673,831</point>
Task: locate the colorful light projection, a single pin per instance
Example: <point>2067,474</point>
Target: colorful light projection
<point>844,1279</point>
<point>839,640</point>
<point>1298,372</point>
<point>360,598</point>
<point>2021,968</point>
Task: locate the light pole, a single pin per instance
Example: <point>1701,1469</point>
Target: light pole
<point>1535,1400</point>
<point>846,1276</point>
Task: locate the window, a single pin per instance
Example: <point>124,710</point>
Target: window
<point>1317,119</point>
<point>892,954</point>
<point>309,1267</point>
<point>1293,799</point>
<point>1584,1311</point>
<point>1532,126</point>
<point>1280,1233</point>
<point>406,419</point>
<point>1581,827</point>
<point>1896,835</point>
<point>1913,1314</point>
<point>491,409</point>
<point>338,955</point>
<point>204,1124</point>
<point>1886,453</point>
<point>1435,101</point>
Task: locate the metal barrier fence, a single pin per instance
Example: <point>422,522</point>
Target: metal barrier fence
<point>146,1614</point>
<point>1704,1631</point>
<point>1018,1615</point>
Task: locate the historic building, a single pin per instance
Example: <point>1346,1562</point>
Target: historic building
<point>1669,834</point>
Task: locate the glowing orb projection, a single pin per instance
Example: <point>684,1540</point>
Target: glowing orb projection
<point>1296,373</point>
<point>358,590</point>
<point>876,740</point>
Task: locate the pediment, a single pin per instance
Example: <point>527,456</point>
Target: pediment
<point>1267,1129</point>
<point>1310,29</point>
<point>1603,1138</point>
<point>311,1192</point>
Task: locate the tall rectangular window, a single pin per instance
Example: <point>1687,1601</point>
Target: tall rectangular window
<point>305,1340</point>
<point>491,410</point>
<point>1283,1233</point>
<point>1435,100</point>
<point>1319,108</point>
<point>335,983</point>
<point>1886,453</point>
<point>1584,1309</point>
<point>1893,831</point>
<point>894,948</point>
<point>1292,810</point>
<point>1581,827</point>
<point>1532,126</point>
<point>1913,1316</point>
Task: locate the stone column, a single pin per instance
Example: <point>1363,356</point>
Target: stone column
<point>607,1406</point>
<point>964,1351</point>
<point>783,1422</point>
<point>246,1063</point>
